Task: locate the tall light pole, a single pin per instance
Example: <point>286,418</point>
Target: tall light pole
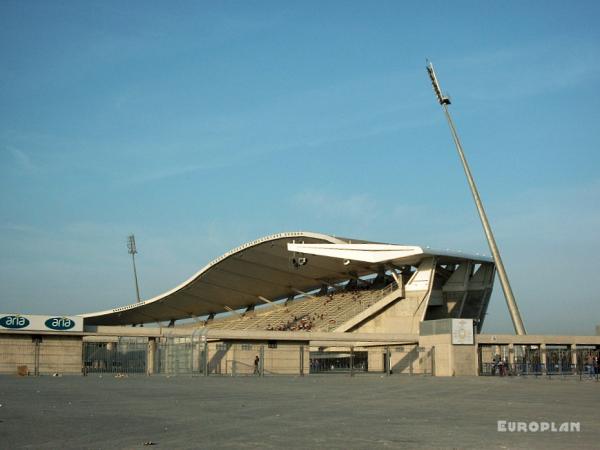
<point>132,251</point>
<point>508,293</point>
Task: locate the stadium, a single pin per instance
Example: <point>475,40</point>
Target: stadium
<point>314,272</point>
<point>326,284</point>
<point>299,303</point>
<point>303,302</point>
<point>296,283</point>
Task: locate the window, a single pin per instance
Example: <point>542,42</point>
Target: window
<point>272,344</point>
<point>246,346</point>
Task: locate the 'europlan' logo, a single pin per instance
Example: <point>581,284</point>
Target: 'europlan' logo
<point>538,427</point>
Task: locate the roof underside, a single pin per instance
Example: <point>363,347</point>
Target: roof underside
<point>262,268</point>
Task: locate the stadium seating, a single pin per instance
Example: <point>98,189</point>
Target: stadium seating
<point>323,312</point>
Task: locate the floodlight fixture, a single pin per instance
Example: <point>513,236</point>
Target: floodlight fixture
<point>442,99</point>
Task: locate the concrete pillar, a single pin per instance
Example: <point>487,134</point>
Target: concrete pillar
<point>151,356</point>
<point>205,357</point>
<point>196,363</point>
<point>511,355</point>
<point>232,353</point>
<point>388,360</point>
<point>543,359</point>
<point>574,356</point>
<point>261,361</point>
<point>497,351</point>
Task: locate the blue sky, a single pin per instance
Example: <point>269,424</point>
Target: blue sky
<point>201,125</point>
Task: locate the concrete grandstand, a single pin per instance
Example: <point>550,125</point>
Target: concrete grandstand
<point>311,281</point>
<point>302,281</point>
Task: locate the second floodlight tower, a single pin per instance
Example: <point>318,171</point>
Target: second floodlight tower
<point>513,309</point>
<point>132,250</point>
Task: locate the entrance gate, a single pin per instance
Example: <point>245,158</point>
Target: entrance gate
<point>529,360</point>
<point>339,362</point>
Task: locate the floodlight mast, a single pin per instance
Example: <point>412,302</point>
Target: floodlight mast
<point>513,309</point>
<point>132,251</point>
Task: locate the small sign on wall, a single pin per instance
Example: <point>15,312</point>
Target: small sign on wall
<point>462,332</point>
<point>29,322</point>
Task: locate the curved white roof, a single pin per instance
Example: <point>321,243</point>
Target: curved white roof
<point>263,270</point>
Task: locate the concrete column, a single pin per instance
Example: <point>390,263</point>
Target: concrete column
<point>574,355</point>
<point>511,354</point>
<point>497,351</point>
<point>543,359</point>
<point>388,358</point>
<point>205,357</point>
<point>151,356</point>
<point>261,365</point>
<point>196,364</point>
<point>234,359</point>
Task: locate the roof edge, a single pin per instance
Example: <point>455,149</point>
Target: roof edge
<point>214,262</point>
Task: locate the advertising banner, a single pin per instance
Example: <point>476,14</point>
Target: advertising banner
<point>30,322</point>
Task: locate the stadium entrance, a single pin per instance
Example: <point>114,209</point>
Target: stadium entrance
<point>339,362</point>
<point>548,360</point>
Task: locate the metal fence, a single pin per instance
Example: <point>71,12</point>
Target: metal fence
<point>340,361</point>
<point>198,357</point>
<point>239,359</point>
<point>528,360</point>
<point>126,355</point>
<point>131,356</point>
<point>391,360</point>
<point>175,356</point>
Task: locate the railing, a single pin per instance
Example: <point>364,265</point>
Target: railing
<point>539,369</point>
<point>115,357</point>
<point>195,355</point>
<point>388,289</point>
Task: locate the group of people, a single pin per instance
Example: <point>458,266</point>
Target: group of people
<point>588,364</point>
<point>499,367</point>
<point>309,321</point>
<point>294,323</point>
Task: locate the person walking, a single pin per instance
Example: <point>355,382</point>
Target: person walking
<point>256,364</point>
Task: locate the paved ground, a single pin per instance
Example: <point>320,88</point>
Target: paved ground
<point>327,411</point>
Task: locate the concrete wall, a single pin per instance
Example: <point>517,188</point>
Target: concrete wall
<point>464,359</point>
<point>237,358</point>
<point>376,358</point>
<point>16,350</point>
<point>402,316</point>
<point>405,359</point>
<point>449,359</point>
<point>42,355</point>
